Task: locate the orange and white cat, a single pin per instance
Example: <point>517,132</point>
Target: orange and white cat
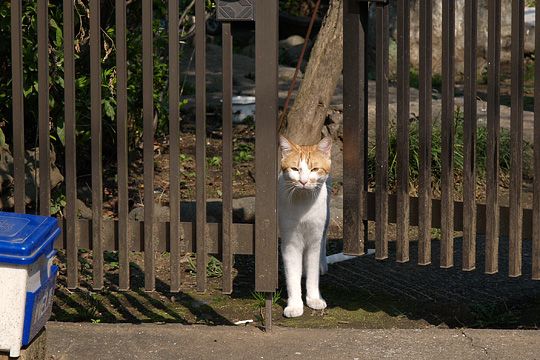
<point>303,220</point>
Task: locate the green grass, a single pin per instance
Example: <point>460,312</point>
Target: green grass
<point>436,152</point>
<point>260,299</point>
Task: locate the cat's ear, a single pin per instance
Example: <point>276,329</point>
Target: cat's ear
<point>325,146</point>
<point>286,146</point>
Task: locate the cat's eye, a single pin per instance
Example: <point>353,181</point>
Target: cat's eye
<point>315,169</point>
<point>294,169</point>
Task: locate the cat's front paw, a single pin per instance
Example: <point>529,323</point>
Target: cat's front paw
<point>316,304</point>
<point>294,309</point>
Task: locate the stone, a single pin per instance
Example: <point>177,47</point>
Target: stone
<point>291,55</point>
<point>83,211</point>
<point>482,34</point>
<point>291,41</point>
<point>286,74</point>
<point>31,178</point>
<point>243,211</point>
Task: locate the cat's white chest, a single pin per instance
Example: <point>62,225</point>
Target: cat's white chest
<point>303,211</point>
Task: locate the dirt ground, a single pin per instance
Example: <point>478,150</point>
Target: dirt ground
<point>361,293</point>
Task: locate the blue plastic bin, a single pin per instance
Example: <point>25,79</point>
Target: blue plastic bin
<point>27,277</point>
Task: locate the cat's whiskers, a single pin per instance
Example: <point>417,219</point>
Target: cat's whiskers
<point>289,190</point>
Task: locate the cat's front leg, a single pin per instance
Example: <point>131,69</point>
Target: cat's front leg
<point>323,263</point>
<point>292,260</point>
<point>313,296</point>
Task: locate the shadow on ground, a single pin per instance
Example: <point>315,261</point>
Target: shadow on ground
<point>435,296</point>
<point>361,293</point>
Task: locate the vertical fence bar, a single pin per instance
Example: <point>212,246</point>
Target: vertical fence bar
<point>122,146</point>
<point>424,188</point>
<point>381,184</point>
<point>266,164</point>
<point>71,147</point>
<point>403,98</point>
<point>447,135</point>
<point>355,18</point>
<point>174,146</point>
<point>43,104</point>
<point>516,138</point>
<point>200,153</point>
<point>536,195</point>
<point>148,140</point>
<point>97,168</point>
<point>493,126</point>
<point>227,189</point>
<point>469,138</point>
<point>18,105</point>
<point>268,312</point>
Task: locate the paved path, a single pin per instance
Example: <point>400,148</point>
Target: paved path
<point>171,341</point>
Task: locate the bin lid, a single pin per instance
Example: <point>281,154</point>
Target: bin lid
<point>24,238</point>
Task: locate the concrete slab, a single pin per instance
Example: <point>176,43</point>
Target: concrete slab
<point>172,341</point>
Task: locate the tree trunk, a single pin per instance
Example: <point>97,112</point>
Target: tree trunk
<point>307,115</point>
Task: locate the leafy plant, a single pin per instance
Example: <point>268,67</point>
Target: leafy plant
<point>91,309</point>
<point>214,161</point>
<point>260,299</point>
<point>185,158</point>
<point>111,258</point>
<point>260,303</point>
<point>82,80</point>
<point>243,152</point>
<point>58,202</point>
<point>214,267</point>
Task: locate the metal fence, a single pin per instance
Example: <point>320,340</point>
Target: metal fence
<point>423,211</point>
<point>260,238</point>
<point>150,236</point>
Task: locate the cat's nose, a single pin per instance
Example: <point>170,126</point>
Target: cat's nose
<point>303,182</point>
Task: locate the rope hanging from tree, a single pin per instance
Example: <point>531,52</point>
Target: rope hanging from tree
<point>298,64</point>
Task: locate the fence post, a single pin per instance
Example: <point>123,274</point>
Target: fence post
<point>266,57</point>
<point>18,105</point>
<point>355,101</point>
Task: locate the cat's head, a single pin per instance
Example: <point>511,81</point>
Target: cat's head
<point>305,167</point>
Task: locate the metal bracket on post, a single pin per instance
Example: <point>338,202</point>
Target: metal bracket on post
<point>235,10</point>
